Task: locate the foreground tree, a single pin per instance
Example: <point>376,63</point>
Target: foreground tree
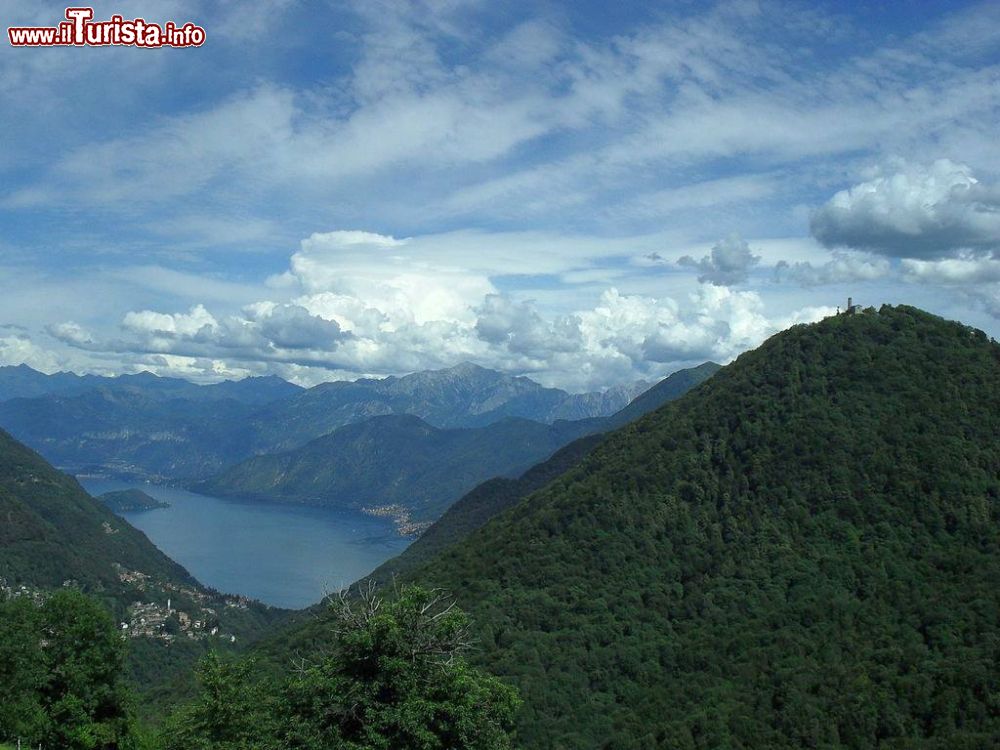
<point>61,681</point>
<point>396,680</point>
<point>233,711</point>
<point>393,678</point>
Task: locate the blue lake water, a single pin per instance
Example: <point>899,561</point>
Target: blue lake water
<point>286,556</point>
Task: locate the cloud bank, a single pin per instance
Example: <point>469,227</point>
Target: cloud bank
<point>916,212</point>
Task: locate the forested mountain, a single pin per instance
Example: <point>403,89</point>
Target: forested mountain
<point>54,531</point>
<point>670,388</point>
<point>802,552</point>
<point>396,461</point>
<point>494,496</point>
<point>481,504</point>
<point>419,470</point>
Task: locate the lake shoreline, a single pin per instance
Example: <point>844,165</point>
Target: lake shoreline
<point>282,554</point>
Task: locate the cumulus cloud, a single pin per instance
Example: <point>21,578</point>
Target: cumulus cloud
<point>962,270</point>
<point>179,325</point>
<point>914,212</point>
<point>728,264</point>
<point>19,349</point>
<point>263,332</point>
<point>520,328</point>
<point>844,267</point>
<point>71,333</point>
<point>410,314</point>
<point>973,278</point>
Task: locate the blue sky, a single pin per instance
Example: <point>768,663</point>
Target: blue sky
<point>585,192</point>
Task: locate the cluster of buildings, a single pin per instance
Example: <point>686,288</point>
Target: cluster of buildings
<point>16,592</point>
<point>405,526</point>
<point>151,619</point>
<point>154,620</point>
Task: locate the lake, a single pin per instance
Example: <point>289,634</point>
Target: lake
<point>283,555</point>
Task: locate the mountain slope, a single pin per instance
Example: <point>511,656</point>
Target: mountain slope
<point>418,469</point>
<point>53,533</point>
<point>669,389</point>
<point>396,460</point>
<point>496,495</point>
<point>129,433</point>
<point>481,504</point>
<point>157,429</point>
<point>801,552</point>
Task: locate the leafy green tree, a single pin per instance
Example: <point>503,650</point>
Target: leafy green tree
<point>233,711</point>
<point>62,665</point>
<point>22,671</point>
<point>395,679</point>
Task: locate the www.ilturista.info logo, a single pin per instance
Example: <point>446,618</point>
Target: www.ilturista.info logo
<point>80,30</point>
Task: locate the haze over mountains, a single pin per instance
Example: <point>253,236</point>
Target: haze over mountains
<point>168,429</point>
<point>802,552</point>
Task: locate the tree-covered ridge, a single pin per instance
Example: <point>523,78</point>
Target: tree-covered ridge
<point>396,460</point>
<point>403,462</point>
<point>53,533</point>
<point>125,501</point>
<point>803,552</point>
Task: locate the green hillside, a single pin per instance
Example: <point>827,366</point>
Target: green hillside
<point>54,534</point>
<point>403,463</point>
<point>396,460</point>
<point>669,389</point>
<point>480,505</point>
<point>55,531</point>
<point>496,495</point>
<point>125,501</point>
<point>803,552</point>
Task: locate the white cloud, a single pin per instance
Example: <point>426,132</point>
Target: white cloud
<point>729,263</point>
<point>373,304</point>
<point>844,267</point>
<point>19,349</point>
<point>915,212</point>
<point>71,333</point>
<point>180,325</point>
<point>521,330</point>
<point>962,270</point>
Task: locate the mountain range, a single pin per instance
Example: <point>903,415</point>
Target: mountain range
<point>165,429</point>
<point>21,381</point>
<point>801,552</point>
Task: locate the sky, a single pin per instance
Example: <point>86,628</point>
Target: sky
<point>587,193</point>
